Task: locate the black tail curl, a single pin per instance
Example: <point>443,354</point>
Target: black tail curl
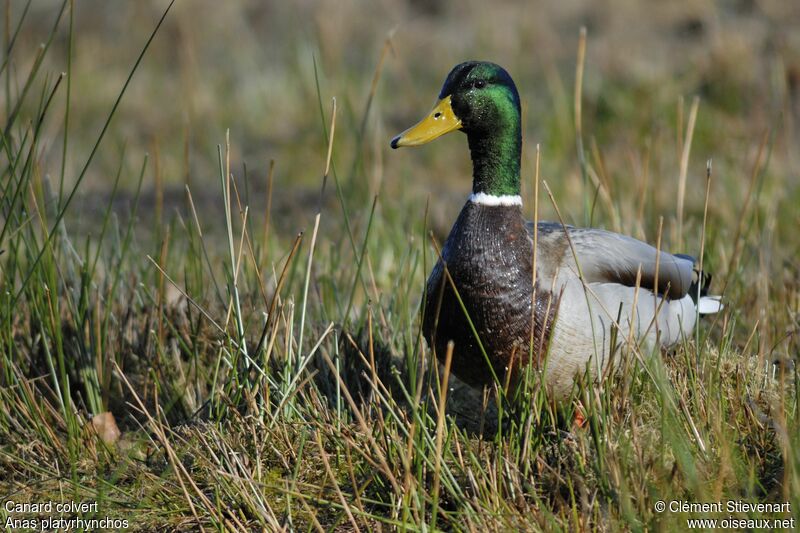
<point>701,281</point>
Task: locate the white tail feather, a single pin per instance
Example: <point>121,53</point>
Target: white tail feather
<point>708,305</point>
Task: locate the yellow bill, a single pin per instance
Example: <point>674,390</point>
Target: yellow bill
<point>439,121</point>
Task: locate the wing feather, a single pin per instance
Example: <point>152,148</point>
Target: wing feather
<point>607,257</point>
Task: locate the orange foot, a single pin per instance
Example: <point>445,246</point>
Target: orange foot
<point>579,420</point>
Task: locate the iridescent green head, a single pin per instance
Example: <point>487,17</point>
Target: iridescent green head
<point>480,99</point>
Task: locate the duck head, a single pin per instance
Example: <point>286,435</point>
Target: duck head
<point>480,99</point>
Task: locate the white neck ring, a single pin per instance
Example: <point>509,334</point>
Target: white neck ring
<point>481,198</point>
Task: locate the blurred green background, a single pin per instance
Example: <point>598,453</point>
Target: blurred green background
<point>249,67</point>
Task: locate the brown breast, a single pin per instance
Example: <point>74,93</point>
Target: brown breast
<point>488,255</point>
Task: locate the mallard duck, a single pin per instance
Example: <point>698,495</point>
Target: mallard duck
<point>584,296</point>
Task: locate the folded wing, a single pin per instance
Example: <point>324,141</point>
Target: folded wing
<point>607,257</point>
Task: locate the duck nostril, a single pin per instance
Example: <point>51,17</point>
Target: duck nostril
<point>437,114</point>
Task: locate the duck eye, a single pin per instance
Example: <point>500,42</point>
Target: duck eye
<point>479,84</point>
